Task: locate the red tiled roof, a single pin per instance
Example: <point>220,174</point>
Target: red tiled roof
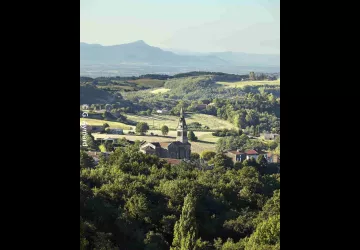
<point>236,152</point>
<point>164,144</point>
<point>251,152</point>
<point>172,161</point>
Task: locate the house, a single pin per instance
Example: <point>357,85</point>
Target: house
<point>113,140</point>
<point>162,111</point>
<point>236,155</point>
<point>269,136</point>
<point>239,156</point>
<point>117,131</point>
<point>254,154</point>
<point>273,158</point>
<point>178,149</point>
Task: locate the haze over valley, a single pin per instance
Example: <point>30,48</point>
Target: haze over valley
<point>139,58</point>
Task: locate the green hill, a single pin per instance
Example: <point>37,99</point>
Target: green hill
<point>90,94</point>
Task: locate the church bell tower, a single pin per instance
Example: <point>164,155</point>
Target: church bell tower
<point>181,135</point>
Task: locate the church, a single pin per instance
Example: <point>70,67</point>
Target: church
<point>178,149</point>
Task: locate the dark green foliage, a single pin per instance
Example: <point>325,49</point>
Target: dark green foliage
<point>191,136</point>
<point>164,130</point>
<point>226,132</point>
<point>194,156</point>
<point>107,116</point>
<point>185,230</point>
<point>133,201</point>
<point>142,127</point>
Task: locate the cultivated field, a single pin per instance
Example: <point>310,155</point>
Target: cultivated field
<point>248,83</point>
<point>160,90</point>
<point>206,139</point>
<point>96,122</point>
<point>157,121</point>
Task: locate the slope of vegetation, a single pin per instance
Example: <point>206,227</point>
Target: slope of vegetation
<point>91,94</point>
<point>248,83</point>
<point>136,201</point>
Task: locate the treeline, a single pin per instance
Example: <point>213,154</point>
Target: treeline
<point>91,94</point>
<point>220,76</point>
<point>124,78</point>
<point>254,110</point>
<point>137,201</point>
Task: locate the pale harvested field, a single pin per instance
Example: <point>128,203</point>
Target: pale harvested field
<point>248,83</point>
<point>96,122</point>
<point>160,90</point>
<point>157,121</point>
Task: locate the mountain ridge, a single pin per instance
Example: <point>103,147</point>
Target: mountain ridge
<point>138,57</point>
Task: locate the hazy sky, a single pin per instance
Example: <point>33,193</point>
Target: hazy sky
<point>193,25</point>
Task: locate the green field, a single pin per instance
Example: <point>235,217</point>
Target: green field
<point>148,83</point>
<point>96,122</point>
<point>206,139</point>
<point>157,121</point>
<point>248,83</point>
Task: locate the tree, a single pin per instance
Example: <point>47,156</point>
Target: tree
<point>83,241</point>
<point>194,156</point>
<point>185,230</point>
<point>252,76</point>
<point>192,136</point>
<point>261,160</point>
<point>164,130</point>
<point>155,241</point>
<point>207,155</point>
<point>90,140</point>
<point>266,235</point>
<point>108,146</point>
<point>221,160</point>
<point>142,128</point>
<point>108,107</point>
<point>108,116</point>
<point>86,161</point>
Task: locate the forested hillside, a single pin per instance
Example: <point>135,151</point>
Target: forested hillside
<point>136,201</point>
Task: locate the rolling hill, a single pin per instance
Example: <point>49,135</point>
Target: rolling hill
<point>137,58</point>
<point>141,53</point>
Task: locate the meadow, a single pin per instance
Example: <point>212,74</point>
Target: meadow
<point>159,91</point>
<point>241,84</point>
<point>157,121</point>
<point>206,141</point>
<point>97,122</point>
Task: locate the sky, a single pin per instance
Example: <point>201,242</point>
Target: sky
<point>251,26</point>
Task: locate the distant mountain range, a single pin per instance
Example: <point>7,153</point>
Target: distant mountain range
<point>139,57</point>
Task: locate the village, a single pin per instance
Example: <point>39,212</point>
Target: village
<point>173,151</point>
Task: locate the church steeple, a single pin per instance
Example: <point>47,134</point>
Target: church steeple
<point>181,135</point>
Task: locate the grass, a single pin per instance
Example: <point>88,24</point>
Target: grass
<point>157,121</point>
<point>248,83</point>
<point>159,91</point>
<point>206,139</point>
<point>150,83</point>
<point>96,122</point>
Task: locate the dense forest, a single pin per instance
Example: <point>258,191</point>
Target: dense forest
<point>136,201</point>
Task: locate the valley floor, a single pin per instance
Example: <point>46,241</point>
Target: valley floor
<point>206,141</point>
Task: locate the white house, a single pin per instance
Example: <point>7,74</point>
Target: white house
<point>162,111</point>
<point>254,154</point>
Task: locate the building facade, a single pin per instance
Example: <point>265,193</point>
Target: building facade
<point>178,149</point>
